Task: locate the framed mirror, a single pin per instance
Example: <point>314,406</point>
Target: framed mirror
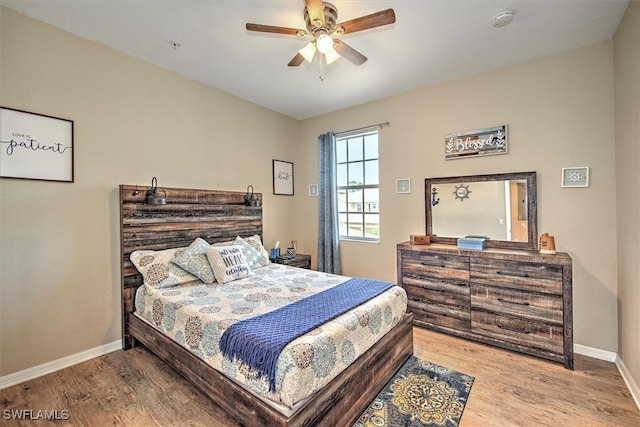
<point>502,207</point>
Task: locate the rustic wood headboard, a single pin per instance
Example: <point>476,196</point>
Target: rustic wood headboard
<point>213,215</point>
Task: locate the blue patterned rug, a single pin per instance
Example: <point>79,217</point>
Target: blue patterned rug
<point>420,394</point>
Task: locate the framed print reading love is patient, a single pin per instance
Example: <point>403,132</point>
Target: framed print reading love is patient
<point>35,146</point>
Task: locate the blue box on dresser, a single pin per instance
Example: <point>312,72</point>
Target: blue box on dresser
<point>472,242</point>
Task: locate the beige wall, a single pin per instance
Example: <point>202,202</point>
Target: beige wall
<point>627,94</point>
<point>560,113</point>
<point>59,242</point>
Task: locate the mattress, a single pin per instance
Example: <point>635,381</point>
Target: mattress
<point>195,315</point>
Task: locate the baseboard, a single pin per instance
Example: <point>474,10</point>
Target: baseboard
<point>56,365</point>
<point>628,379</point>
<point>596,353</point>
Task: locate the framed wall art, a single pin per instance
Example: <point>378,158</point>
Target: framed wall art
<point>35,146</point>
<point>282,178</point>
<point>479,142</point>
<point>403,186</point>
<point>575,177</point>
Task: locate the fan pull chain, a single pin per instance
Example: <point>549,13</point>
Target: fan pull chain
<point>322,64</point>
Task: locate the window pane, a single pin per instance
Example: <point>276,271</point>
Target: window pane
<point>355,149</point>
<point>371,172</point>
<point>371,146</point>
<point>354,198</point>
<point>342,201</point>
<point>371,199</point>
<point>341,175</point>
<point>356,174</point>
<point>356,226</point>
<point>341,151</point>
<point>342,224</point>
<point>372,226</point>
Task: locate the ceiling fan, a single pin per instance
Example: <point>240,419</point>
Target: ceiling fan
<point>321,21</point>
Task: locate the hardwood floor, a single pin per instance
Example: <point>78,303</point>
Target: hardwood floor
<point>135,388</point>
<point>511,389</point>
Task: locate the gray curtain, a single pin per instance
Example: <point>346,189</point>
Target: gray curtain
<point>328,232</point>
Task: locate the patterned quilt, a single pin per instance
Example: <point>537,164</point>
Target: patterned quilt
<point>196,315</point>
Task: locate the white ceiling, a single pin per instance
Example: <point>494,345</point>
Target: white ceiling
<point>432,41</point>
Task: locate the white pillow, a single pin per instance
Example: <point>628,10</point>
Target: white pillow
<point>228,263</point>
<point>158,270</point>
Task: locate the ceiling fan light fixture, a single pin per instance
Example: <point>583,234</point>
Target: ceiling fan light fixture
<point>331,56</point>
<point>321,20</point>
<point>324,43</point>
<point>308,51</point>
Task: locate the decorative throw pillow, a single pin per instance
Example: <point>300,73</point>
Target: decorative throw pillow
<point>256,244</point>
<point>194,260</point>
<point>254,257</point>
<point>228,263</point>
<point>158,270</point>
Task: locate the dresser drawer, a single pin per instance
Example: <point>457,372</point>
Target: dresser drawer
<point>512,302</point>
<point>535,277</point>
<point>456,295</point>
<point>518,331</point>
<point>439,314</point>
<point>435,265</point>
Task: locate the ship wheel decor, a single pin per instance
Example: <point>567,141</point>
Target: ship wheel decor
<point>461,192</point>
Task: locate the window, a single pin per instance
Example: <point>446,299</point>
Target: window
<point>358,186</point>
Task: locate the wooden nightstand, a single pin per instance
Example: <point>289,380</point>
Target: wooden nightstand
<point>300,260</point>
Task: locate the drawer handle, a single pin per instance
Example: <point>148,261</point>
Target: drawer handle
<point>506,274</point>
<point>513,302</point>
<point>429,265</point>
<point>501,326</point>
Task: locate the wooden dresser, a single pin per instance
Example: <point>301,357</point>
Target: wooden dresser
<point>519,300</point>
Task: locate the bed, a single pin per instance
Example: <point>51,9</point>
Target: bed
<point>220,216</point>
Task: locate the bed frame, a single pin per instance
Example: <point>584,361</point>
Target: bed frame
<point>220,216</point>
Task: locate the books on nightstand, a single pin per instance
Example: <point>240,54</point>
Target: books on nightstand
<point>476,243</point>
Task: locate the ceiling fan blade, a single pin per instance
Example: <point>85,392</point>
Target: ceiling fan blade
<point>315,9</point>
<point>348,52</point>
<point>378,19</point>
<point>297,60</point>
<point>277,30</point>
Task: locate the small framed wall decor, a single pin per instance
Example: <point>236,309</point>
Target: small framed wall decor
<point>403,186</point>
<point>35,146</point>
<point>575,177</point>
<point>282,178</point>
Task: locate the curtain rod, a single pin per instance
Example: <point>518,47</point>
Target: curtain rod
<point>379,125</point>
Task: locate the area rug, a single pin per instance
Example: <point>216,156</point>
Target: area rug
<point>420,394</point>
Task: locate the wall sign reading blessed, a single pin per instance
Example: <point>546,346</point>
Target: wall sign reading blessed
<point>35,146</point>
<point>480,142</point>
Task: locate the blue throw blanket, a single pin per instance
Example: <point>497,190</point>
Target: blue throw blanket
<point>258,341</point>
